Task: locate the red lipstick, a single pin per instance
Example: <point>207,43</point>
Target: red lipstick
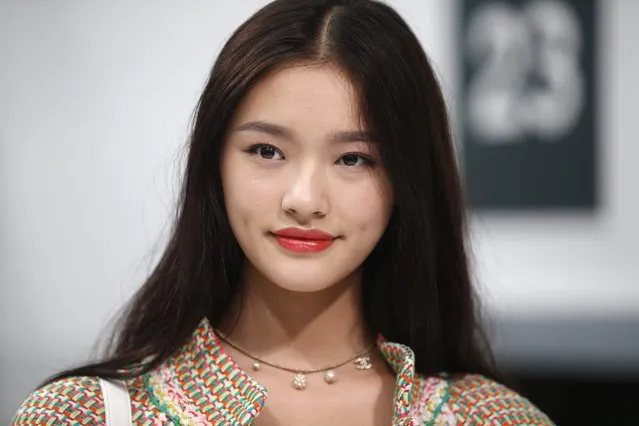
<point>304,240</point>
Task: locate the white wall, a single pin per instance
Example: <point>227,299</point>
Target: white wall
<point>94,108</point>
<point>565,265</point>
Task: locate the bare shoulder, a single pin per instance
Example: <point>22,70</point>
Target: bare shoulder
<point>76,400</point>
<point>477,400</point>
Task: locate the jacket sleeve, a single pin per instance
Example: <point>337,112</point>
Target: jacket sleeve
<point>476,400</point>
<point>73,400</point>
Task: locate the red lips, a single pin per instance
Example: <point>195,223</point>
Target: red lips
<point>304,240</point>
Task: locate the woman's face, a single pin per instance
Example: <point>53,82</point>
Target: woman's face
<point>305,194</point>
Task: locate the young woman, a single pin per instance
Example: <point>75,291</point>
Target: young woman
<point>317,271</point>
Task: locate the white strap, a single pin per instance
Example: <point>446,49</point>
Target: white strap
<point>117,405</point>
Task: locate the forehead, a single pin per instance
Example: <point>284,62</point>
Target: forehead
<point>303,96</point>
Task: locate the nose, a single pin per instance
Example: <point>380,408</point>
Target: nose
<point>306,197</point>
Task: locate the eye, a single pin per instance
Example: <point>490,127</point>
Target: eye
<point>352,160</point>
<point>266,151</point>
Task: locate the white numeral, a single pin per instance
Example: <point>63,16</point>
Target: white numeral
<point>528,79</point>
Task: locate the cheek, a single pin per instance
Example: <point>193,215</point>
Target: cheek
<point>246,194</point>
<point>368,209</point>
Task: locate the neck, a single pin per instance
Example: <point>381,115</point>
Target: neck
<point>301,329</point>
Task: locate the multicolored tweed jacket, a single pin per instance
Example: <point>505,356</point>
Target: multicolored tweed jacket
<point>201,385</point>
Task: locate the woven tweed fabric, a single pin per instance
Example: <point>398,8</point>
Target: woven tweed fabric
<point>202,385</point>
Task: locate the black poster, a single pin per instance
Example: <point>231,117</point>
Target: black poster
<point>528,103</point>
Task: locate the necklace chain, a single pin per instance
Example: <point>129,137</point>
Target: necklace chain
<point>294,370</point>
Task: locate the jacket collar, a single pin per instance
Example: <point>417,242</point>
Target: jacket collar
<point>201,384</point>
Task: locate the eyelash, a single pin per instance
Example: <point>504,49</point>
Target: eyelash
<point>254,150</point>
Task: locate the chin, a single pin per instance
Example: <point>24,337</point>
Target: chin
<point>303,283</point>
<point>306,278</point>
<point>303,273</point>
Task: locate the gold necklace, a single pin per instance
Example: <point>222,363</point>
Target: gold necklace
<point>361,361</point>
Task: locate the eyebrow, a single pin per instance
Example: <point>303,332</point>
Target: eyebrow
<point>276,130</point>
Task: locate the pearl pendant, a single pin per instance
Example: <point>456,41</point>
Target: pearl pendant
<point>256,366</point>
<point>299,382</point>
<point>330,377</point>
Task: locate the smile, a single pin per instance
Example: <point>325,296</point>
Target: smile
<point>303,241</point>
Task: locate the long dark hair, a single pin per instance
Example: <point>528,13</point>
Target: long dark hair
<point>416,287</point>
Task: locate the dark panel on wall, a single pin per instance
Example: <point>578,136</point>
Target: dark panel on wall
<point>528,93</point>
